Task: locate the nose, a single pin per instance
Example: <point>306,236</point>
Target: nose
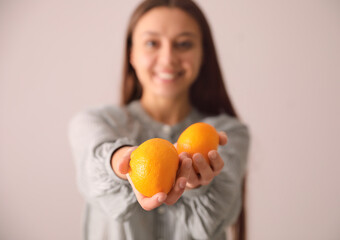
<point>167,55</point>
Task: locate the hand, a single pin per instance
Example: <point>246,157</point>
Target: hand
<point>205,172</point>
<point>120,164</point>
<point>120,161</point>
<point>174,194</point>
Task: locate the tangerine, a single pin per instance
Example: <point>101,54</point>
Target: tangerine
<point>153,166</point>
<point>198,138</point>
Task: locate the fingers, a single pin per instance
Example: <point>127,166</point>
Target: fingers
<point>203,172</point>
<point>123,164</point>
<point>145,202</point>
<point>185,167</point>
<point>203,168</point>
<point>151,203</point>
<point>223,138</point>
<point>183,155</point>
<point>181,182</point>
<point>186,177</point>
<point>194,180</point>
<point>216,162</point>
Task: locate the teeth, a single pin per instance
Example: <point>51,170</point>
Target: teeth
<point>166,76</point>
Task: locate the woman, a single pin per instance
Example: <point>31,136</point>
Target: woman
<point>171,79</point>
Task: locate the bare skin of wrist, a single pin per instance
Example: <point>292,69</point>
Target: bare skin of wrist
<point>116,157</point>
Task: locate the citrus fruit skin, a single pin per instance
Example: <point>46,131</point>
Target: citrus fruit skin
<point>153,166</point>
<point>198,138</point>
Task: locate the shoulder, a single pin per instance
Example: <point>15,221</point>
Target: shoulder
<point>102,113</point>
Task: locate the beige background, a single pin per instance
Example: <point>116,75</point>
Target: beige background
<point>281,60</point>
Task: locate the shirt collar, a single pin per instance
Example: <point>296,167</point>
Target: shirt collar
<point>138,111</point>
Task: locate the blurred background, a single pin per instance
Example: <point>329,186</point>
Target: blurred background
<point>281,61</point>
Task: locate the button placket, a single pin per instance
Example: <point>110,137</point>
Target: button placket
<point>161,210</point>
<point>166,132</point>
<point>167,129</point>
<point>161,222</point>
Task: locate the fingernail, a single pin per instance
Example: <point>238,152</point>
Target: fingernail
<point>213,155</point>
<point>199,159</point>
<point>182,184</point>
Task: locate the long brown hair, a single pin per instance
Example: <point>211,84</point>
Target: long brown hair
<point>208,94</point>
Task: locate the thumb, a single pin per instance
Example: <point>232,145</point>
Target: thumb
<point>123,164</point>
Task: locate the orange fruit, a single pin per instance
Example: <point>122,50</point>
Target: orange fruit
<point>198,138</point>
<point>153,166</point>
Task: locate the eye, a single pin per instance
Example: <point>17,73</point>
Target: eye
<point>151,44</point>
<point>184,45</point>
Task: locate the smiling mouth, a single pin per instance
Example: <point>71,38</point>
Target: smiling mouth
<point>168,76</point>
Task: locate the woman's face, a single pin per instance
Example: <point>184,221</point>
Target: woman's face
<point>166,52</point>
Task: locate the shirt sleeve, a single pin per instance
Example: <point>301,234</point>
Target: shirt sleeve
<point>207,210</point>
<point>94,137</point>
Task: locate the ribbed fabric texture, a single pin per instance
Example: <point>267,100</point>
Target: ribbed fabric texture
<point>112,211</point>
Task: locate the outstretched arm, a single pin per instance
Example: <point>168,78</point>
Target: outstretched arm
<point>213,202</point>
<point>93,141</point>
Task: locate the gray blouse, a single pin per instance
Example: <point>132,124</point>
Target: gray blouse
<point>112,211</point>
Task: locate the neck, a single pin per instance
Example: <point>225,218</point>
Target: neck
<point>167,110</point>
